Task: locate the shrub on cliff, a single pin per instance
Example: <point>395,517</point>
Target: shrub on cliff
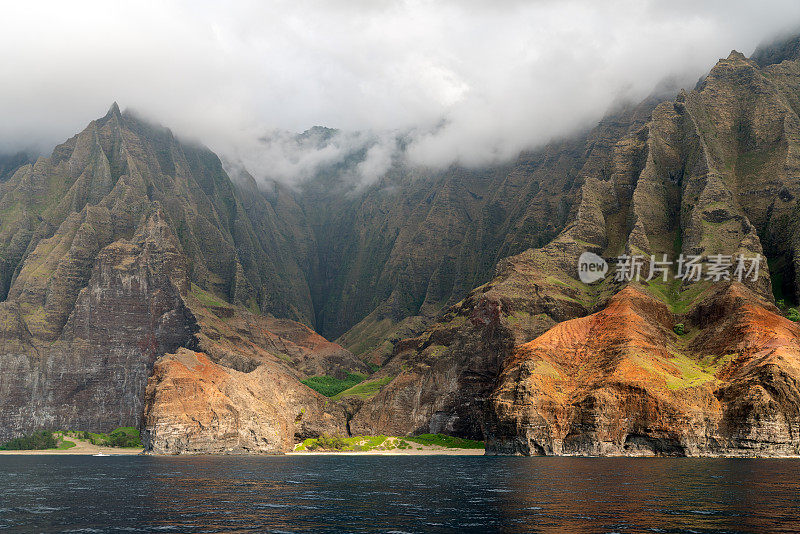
<point>123,437</point>
<point>328,443</point>
<point>127,437</point>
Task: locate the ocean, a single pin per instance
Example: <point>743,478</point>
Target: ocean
<point>328,493</point>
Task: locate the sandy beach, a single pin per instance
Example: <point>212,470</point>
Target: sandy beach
<point>395,452</point>
<point>385,446</point>
<point>88,449</point>
<point>81,448</point>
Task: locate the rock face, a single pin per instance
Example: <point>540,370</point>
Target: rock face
<point>90,373</point>
<point>445,376</point>
<point>197,406</point>
<point>620,382</point>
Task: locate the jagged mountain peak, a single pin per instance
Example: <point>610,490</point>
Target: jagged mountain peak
<point>113,110</point>
<point>735,54</point>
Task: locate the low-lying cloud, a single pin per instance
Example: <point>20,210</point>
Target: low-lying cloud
<point>466,82</point>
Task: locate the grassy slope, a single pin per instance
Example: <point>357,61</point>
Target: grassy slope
<point>366,389</point>
<point>331,386</point>
<point>123,437</point>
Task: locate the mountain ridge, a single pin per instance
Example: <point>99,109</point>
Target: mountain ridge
<point>135,273</point>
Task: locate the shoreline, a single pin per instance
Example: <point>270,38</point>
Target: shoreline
<point>108,451</point>
<point>111,451</point>
<point>81,448</point>
<point>394,452</point>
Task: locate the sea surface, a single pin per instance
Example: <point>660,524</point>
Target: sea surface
<point>397,494</point>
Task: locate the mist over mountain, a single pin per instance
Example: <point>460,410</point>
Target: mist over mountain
<point>462,83</point>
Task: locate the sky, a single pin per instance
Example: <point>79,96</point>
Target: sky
<point>464,82</point>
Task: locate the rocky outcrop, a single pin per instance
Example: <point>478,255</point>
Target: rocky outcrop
<point>196,406</point>
<point>239,391</point>
<point>620,382</point>
<point>610,383</point>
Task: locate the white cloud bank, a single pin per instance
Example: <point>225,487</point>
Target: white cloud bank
<point>469,81</point>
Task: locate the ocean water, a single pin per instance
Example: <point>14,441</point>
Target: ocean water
<point>397,494</point>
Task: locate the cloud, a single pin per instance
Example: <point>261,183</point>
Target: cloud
<point>467,82</point>
<point>360,156</point>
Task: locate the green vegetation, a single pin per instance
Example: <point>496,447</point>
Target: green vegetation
<point>330,386</point>
<point>253,306</point>
<point>680,371</point>
<point>123,437</point>
<point>445,441</point>
<point>674,294</point>
<point>328,443</point>
<point>435,351</point>
<point>355,443</point>
<point>790,313</point>
<point>373,336</point>
<point>386,443</point>
<point>752,162</point>
<point>208,299</point>
<point>44,439</point>
<point>367,335</point>
<point>545,369</point>
<point>691,373</point>
<point>64,445</point>
<point>582,294</point>
<point>677,243</point>
<point>366,389</point>
<point>776,280</point>
<point>679,329</point>
<point>517,317</point>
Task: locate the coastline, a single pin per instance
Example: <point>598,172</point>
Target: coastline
<point>108,451</point>
<point>81,448</point>
<point>394,452</point>
<point>91,450</point>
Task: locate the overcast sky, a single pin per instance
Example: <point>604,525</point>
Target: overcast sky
<point>473,82</point>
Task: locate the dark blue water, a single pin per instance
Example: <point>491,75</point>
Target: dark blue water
<point>397,494</point>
